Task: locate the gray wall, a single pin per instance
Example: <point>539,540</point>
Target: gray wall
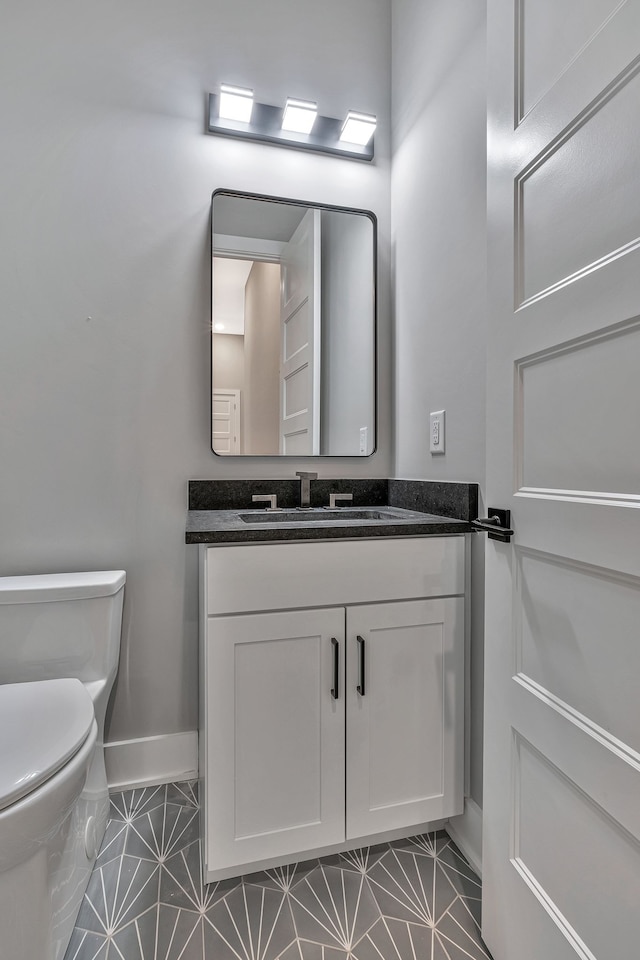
<point>228,361</point>
<point>105,280</point>
<point>439,240</point>
<point>347,343</point>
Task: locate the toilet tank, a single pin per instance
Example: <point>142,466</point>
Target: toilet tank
<point>61,625</point>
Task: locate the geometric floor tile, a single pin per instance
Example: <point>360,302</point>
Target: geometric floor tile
<point>137,940</point>
<point>334,907</point>
<point>252,923</point>
<point>460,874</point>
<point>282,878</point>
<point>428,844</point>
<point>85,945</point>
<point>184,794</point>
<point>134,803</point>
<point>361,861</point>
<point>117,893</point>
<point>457,930</point>
<point>411,887</point>
<point>162,832</point>
<point>391,939</point>
<point>181,883</point>
<point>414,899</point>
<point>182,935</point>
<point>115,837</point>
<point>305,950</point>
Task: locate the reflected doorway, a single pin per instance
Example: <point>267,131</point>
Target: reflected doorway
<point>246,296</point>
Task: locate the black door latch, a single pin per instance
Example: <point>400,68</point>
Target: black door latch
<point>496,525</point>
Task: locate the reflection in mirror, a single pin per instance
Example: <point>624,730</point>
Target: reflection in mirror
<point>293,345</point>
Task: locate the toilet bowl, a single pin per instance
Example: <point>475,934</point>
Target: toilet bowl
<point>48,738</point>
<point>59,646</point>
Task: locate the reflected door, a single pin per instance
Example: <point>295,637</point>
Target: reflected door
<point>300,340</point>
<point>226,422</point>
<point>561,843</point>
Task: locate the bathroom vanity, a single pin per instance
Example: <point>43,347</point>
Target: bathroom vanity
<point>332,686</point>
<point>332,667</point>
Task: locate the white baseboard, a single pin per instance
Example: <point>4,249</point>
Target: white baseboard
<point>466,832</point>
<point>151,760</point>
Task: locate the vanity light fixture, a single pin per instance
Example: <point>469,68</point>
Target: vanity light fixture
<point>233,113</point>
<point>358,128</point>
<point>299,115</point>
<point>236,103</point>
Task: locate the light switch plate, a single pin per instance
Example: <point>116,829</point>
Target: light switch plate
<point>436,432</point>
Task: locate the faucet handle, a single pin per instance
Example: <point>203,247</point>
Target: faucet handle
<point>270,498</point>
<point>305,475</point>
<point>334,497</point>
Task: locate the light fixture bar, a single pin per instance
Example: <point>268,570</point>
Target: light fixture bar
<point>266,126</point>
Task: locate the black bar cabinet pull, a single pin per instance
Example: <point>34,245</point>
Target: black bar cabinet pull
<point>360,687</point>
<point>335,689</point>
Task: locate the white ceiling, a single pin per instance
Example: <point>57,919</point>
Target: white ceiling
<point>258,219</point>
<point>229,280</point>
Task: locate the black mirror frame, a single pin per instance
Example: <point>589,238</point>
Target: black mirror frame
<point>242,194</point>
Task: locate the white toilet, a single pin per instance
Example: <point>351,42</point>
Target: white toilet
<point>59,648</point>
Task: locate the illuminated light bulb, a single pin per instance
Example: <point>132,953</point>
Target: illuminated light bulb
<point>299,116</point>
<point>358,128</point>
<point>236,103</point>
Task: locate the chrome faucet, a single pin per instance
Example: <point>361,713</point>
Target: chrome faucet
<point>305,486</point>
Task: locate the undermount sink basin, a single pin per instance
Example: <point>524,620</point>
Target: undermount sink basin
<point>313,515</point>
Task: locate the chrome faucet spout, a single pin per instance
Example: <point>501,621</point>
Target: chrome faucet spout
<point>305,486</point>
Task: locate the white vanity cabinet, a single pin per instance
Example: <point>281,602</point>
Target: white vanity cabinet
<point>332,696</point>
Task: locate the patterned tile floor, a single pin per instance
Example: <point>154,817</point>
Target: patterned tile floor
<point>415,899</point>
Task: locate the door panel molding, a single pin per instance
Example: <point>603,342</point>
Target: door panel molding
<point>551,810</point>
<point>598,734</point>
<point>549,656</point>
<point>583,78</point>
<point>550,8</point>
<point>537,164</point>
<point>581,417</point>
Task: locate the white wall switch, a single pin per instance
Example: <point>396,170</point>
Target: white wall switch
<point>436,432</point>
<point>363,439</point>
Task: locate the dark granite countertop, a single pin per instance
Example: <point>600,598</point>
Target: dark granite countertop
<point>227,526</point>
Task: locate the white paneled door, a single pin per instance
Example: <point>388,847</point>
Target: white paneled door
<point>561,847</point>
<point>300,340</point>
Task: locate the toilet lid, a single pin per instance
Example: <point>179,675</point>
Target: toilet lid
<point>42,725</point>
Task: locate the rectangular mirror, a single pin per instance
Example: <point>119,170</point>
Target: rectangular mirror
<point>293,364</point>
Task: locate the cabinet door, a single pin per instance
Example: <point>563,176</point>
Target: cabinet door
<point>275,736</point>
<point>405,728</point>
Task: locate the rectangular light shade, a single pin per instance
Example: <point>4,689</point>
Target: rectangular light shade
<point>358,128</point>
<point>236,103</point>
<point>299,116</point>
